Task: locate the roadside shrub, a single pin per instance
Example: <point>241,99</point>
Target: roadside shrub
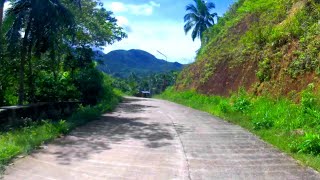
<point>7,151</point>
<point>265,113</point>
<point>310,144</point>
<point>308,99</point>
<point>25,139</point>
<point>224,106</point>
<point>84,114</point>
<point>265,123</point>
<point>310,110</point>
<point>62,126</point>
<point>51,89</point>
<point>89,82</point>
<point>241,101</point>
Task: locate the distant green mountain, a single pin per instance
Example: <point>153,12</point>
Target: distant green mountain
<point>121,63</point>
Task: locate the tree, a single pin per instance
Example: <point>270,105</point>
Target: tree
<point>39,20</point>
<point>1,11</point>
<point>47,46</point>
<point>96,26</point>
<point>1,22</point>
<point>199,18</point>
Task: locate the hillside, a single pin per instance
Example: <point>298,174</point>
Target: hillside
<point>266,46</point>
<point>121,63</point>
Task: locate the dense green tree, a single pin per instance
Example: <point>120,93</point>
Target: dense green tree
<point>199,18</point>
<point>40,20</point>
<point>49,48</point>
<point>1,31</point>
<point>96,26</point>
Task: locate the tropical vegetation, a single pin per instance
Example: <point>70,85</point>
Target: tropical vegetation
<point>46,50</point>
<point>199,18</point>
<point>122,63</point>
<point>290,126</point>
<point>258,67</point>
<point>21,141</point>
<point>46,56</point>
<point>154,83</point>
<point>272,44</point>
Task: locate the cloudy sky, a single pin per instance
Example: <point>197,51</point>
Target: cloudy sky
<point>157,25</point>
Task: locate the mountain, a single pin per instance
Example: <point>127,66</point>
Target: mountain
<point>266,46</point>
<point>121,63</point>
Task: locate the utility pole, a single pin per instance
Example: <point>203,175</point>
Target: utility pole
<point>163,55</point>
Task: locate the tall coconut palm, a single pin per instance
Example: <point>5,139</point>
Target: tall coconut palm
<point>199,18</point>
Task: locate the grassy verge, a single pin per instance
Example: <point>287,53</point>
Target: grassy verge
<point>24,140</point>
<point>293,128</point>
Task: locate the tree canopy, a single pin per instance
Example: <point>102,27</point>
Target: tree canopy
<point>46,50</point>
<point>199,18</point>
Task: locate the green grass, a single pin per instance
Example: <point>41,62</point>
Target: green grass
<point>24,140</point>
<point>261,31</point>
<point>291,127</point>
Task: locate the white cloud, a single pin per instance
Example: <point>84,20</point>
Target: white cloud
<point>167,37</point>
<point>144,9</point>
<point>122,21</point>
<point>118,7</point>
<point>154,4</point>
<point>152,33</point>
<point>6,6</point>
<point>136,9</point>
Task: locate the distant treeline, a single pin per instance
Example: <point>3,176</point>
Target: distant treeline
<point>155,83</point>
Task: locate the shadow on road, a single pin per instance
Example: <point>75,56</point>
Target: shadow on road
<point>130,105</point>
<point>101,135</point>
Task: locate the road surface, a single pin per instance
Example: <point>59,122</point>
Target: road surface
<point>155,139</point>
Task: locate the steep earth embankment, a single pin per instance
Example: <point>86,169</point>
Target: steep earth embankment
<point>266,46</point>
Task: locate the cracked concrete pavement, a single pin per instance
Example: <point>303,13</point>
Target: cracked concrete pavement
<point>156,139</point>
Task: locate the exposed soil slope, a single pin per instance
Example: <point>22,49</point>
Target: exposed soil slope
<point>266,46</point>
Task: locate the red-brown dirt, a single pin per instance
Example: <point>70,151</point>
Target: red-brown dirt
<point>221,70</point>
<point>228,79</point>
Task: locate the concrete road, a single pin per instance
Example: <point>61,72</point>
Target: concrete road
<point>155,139</point>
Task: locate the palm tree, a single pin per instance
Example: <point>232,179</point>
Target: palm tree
<point>199,18</point>
<point>41,21</point>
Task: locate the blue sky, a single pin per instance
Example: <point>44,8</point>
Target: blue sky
<point>157,25</point>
